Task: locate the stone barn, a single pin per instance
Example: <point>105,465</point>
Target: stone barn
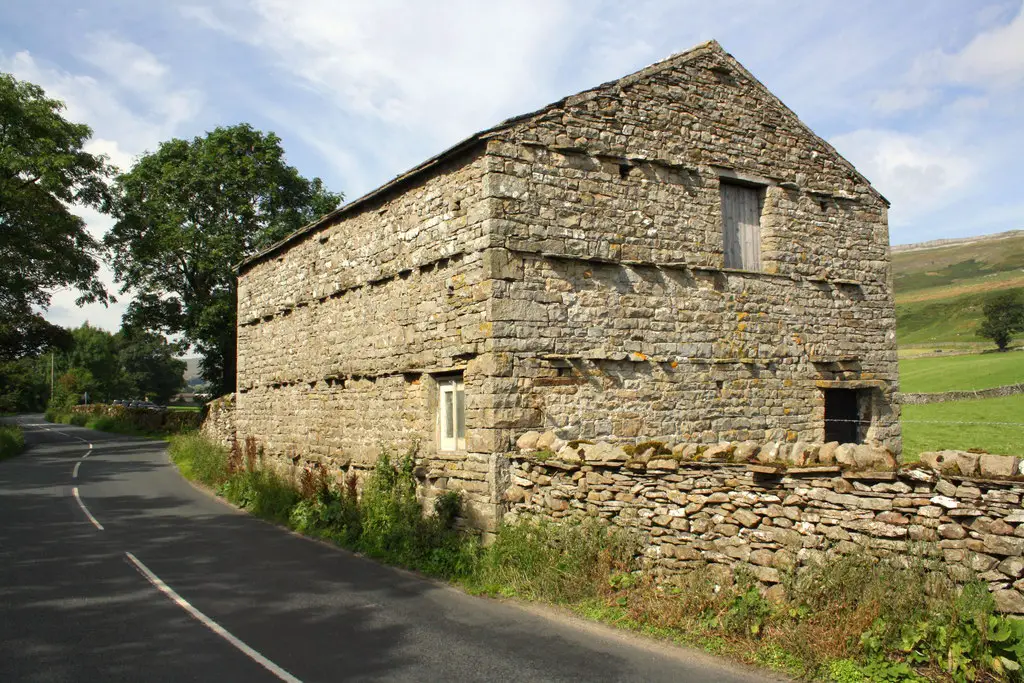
<point>672,256</point>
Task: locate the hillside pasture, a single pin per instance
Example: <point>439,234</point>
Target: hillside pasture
<point>920,269</point>
<point>995,425</point>
<point>961,373</point>
<point>938,321</point>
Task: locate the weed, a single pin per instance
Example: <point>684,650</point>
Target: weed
<point>558,562</point>
<point>658,448</point>
<point>543,455</point>
<point>447,508</point>
<point>12,441</point>
<point>200,459</point>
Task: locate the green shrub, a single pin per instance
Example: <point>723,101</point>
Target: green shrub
<point>12,441</point>
<point>747,613</point>
<point>199,458</point>
<point>390,509</point>
<point>262,493</point>
<point>559,562</point>
<point>329,511</point>
<point>78,419</point>
<point>447,508</point>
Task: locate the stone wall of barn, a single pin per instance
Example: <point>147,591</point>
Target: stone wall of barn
<point>621,317</point>
<point>343,335</point>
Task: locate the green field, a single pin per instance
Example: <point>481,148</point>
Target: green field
<point>961,373</point>
<point>940,291</point>
<point>992,424</point>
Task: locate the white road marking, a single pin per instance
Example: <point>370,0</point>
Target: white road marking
<point>74,472</point>
<point>211,624</point>
<point>86,510</point>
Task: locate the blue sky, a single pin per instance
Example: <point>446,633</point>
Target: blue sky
<point>924,97</point>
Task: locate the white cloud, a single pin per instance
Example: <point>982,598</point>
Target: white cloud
<point>132,112</point>
<point>441,71</point>
<point>992,59</point>
<point>918,174</point>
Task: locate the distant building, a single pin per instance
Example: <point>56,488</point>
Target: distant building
<point>672,255</point>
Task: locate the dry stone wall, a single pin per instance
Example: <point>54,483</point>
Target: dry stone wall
<point>772,519</point>
<point>218,420</point>
<point>947,396</point>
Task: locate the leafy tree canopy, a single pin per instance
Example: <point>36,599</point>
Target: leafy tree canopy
<point>1004,317</point>
<point>148,365</point>
<point>186,214</point>
<point>43,170</point>
<point>26,334</point>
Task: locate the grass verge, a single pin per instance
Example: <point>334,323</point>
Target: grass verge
<point>12,441</point>
<point>961,373</point>
<point>990,424</point>
<point>849,620</point>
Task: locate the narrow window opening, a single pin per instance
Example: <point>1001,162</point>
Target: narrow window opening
<point>451,414</point>
<point>741,226</point>
<point>844,418</point>
<point>624,170</point>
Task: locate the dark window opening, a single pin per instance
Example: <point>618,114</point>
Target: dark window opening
<point>843,417</point>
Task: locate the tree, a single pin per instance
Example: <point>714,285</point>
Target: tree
<point>43,170</point>
<point>186,214</point>
<point>24,384</point>
<point>26,334</point>
<point>1004,317</point>
<point>148,365</point>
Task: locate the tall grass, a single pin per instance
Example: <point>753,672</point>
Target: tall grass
<point>199,459</point>
<point>12,441</point>
<point>561,563</point>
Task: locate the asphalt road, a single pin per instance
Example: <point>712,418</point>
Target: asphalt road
<point>76,603</point>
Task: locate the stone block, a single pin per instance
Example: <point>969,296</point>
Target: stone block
<point>1012,567</point>
<point>746,518</point>
<point>1009,601</point>
<point>719,452</point>
<point>545,441</point>
<point>952,531</point>
<point>1003,545</point>
<point>745,451</point>
<point>967,463</point>
<point>827,453</point>
<point>667,464</point>
<point>941,461</point>
<point>997,466</point>
<point>604,453</point>
<point>845,454</point>
<point>528,441</point>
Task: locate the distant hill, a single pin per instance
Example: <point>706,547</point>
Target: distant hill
<point>942,285</point>
<point>191,368</point>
